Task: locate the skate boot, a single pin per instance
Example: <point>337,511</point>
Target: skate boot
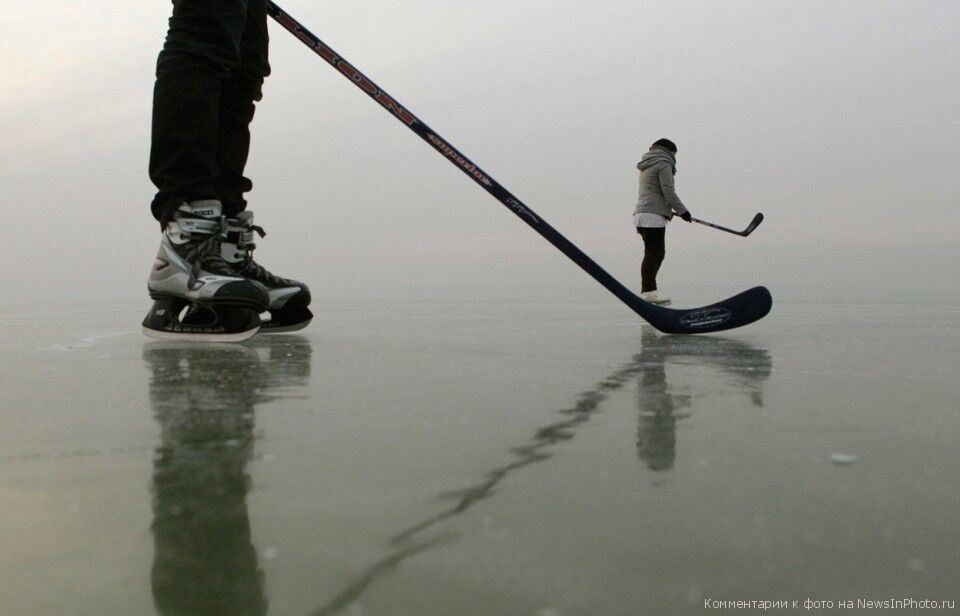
<point>288,298</point>
<point>655,297</point>
<point>197,296</point>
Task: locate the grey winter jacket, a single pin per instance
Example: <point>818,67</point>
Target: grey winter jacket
<point>657,194</point>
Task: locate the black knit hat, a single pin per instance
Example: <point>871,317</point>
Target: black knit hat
<point>666,143</point>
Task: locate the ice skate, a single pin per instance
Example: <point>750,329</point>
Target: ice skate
<point>197,296</point>
<point>289,299</point>
<point>655,297</point>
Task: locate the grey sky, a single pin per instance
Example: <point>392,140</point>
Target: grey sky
<point>838,120</point>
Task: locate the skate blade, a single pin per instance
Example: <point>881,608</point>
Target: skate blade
<point>200,337</point>
<point>267,328</point>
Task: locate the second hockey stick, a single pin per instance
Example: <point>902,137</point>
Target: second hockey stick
<point>753,225</point>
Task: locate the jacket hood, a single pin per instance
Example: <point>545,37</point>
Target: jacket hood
<point>656,156</point>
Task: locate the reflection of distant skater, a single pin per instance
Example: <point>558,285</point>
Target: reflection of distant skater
<point>656,430</point>
<point>204,398</point>
<point>659,407</point>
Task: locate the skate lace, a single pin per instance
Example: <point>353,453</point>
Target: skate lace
<point>251,268</point>
<point>206,254</point>
<point>259,231</point>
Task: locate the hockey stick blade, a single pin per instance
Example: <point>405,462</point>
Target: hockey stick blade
<point>736,311</point>
<point>753,225</point>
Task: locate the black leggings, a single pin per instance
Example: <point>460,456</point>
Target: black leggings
<point>654,249</point>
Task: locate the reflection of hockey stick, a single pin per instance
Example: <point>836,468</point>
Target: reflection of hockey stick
<point>351,593</point>
<point>735,311</point>
<point>410,542</point>
<point>753,225</point>
<point>583,409</point>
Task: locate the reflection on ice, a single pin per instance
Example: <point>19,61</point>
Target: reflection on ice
<point>660,406</point>
<point>351,593</point>
<point>679,468</point>
<point>204,397</point>
<point>407,542</point>
<point>656,432</point>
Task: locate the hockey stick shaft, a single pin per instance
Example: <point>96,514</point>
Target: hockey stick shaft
<point>736,311</point>
<point>463,163</point>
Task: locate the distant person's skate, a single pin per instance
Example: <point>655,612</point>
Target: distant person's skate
<point>289,299</point>
<point>655,297</point>
<point>197,295</point>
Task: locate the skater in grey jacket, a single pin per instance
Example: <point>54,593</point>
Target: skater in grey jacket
<point>656,205</point>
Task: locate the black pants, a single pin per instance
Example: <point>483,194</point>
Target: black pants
<point>209,74</point>
<point>654,249</point>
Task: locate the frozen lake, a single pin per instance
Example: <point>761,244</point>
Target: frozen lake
<point>435,458</point>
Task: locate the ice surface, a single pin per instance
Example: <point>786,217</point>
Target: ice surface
<point>477,458</point>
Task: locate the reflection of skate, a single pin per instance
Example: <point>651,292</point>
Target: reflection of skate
<point>289,299</point>
<point>288,359</point>
<point>658,406</point>
<point>196,294</point>
<point>204,397</point>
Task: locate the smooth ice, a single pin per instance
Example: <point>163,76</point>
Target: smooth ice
<point>477,458</point>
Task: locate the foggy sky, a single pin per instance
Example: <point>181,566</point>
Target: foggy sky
<point>838,120</point>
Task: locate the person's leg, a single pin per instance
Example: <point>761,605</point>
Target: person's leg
<point>200,53</point>
<point>240,92</point>
<point>289,299</point>
<point>654,250</point>
<point>662,249</point>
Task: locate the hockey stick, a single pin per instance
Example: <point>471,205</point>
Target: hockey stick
<point>753,225</point>
<point>736,311</point>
